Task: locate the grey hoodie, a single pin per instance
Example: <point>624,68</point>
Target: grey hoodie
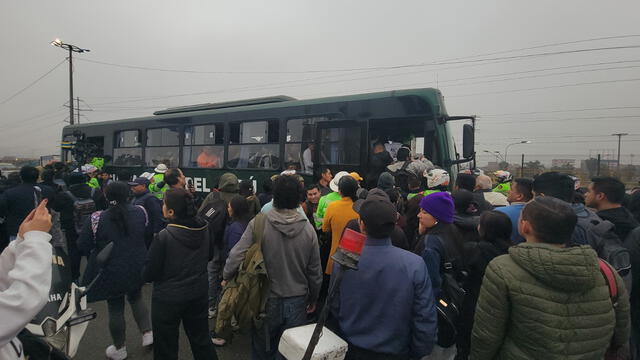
<point>291,254</point>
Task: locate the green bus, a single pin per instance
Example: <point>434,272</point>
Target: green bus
<point>257,138</point>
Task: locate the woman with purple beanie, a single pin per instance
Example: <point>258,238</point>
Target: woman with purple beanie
<point>441,248</point>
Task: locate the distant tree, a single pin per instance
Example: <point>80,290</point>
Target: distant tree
<point>534,167</point>
<point>503,165</point>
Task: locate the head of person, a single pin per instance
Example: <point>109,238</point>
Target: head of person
<point>313,193</point>
<point>348,186</point>
<point>238,208</point>
<point>139,185</point>
<point>161,169</point>
<point>437,179</point>
<point>333,185</point>
<point>29,175</point>
<point>378,147</point>
<point>377,217</point>
<point>229,183</point>
<point>356,176</point>
<point>464,202</point>
<point>103,175</point>
<point>267,186</point>
<point>117,194</point>
<point>605,192</point>
<point>521,190</point>
<point>413,183</point>
<point>403,154</point>
<point>547,219</point>
<point>465,181</point>
<point>436,208</point>
<point>246,188</point>
<point>495,227</point>
<point>287,191</point>
<point>47,176</point>
<point>325,175</point>
<point>483,182</point>
<point>386,181</point>
<point>178,205</point>
<point>175,178</point>
<point>554,184</point>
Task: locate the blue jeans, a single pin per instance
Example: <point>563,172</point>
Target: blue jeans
<point>282,314</point>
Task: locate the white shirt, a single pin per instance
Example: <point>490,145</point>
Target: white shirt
<point>25,280</point>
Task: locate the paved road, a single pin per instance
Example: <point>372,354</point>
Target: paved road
<point>97,338</point>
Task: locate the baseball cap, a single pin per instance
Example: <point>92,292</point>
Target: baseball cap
<point>139,181</point>
<point>379,216</point>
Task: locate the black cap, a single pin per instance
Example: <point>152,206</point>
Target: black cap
<point>139,181</point>
<point>379,217</point>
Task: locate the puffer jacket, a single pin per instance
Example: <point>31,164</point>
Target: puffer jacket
<point>545,301</point>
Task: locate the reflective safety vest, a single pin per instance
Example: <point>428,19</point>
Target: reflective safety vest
<point>158,192</point>
<point>94,183</point>
<point>322,207</point>
<point>98,162</point>
<point>503,188</point>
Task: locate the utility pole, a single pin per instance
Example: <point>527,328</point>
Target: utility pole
<point>619,135</point>
<point>71,49</point>
<point>78,109</point>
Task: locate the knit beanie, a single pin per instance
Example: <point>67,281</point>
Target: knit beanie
<point>386,181</point>
<point>440,206</point>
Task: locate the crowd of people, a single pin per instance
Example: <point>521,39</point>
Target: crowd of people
<point>473,269</point>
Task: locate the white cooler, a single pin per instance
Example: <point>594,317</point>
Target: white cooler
<point>294,342</point>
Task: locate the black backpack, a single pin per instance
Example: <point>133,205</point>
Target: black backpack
<point>82,210</point>
<point>215,214</point>
<point>402,177</point>
<point>452,295</point>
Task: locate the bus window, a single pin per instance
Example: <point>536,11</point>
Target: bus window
<point>340,146</point>
<point>162,147</point>
<point>127,149</point>
<point>203,146</point>
<point>254,145</point>
<point>299,150</point>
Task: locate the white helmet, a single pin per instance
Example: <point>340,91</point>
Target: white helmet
<point>436,177</point>
<point>503,176</point>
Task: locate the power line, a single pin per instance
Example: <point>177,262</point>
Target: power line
<point>549,87</point>
<point>565,119</point>
<point>375,68</point>
<point>560,111</point>
<point>32,83</point>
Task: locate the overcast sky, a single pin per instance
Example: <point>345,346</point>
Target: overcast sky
<point>279,47</point>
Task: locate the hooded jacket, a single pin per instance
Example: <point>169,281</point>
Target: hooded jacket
<point>177,262</point>
<point>542,299</point>
<point>622,219</point>
<point>227,188</point>
<point>290,251</point>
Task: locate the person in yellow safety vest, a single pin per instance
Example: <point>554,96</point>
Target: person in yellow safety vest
<point>158,187</point>
<point>504,179</point>
<point>98,162</point>
<point>92,172</point>
<point>437,181</point>
<point>329,198</point>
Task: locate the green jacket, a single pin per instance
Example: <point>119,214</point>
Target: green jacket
<point>541,301</point>
<point>94,183</point>
<point>322,207</point>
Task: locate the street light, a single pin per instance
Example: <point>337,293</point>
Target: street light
<point>71,49</point>
<point>515,143</point>
<point>494,153</point>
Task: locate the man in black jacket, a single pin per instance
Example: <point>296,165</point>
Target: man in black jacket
<point>16,203</point>
<point>605,194</point>
<point>151,204</point>
<point>77,186</point>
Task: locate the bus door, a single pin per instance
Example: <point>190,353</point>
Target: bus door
<point>340,146</point>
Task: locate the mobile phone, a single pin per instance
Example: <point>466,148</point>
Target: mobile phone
<point>37,195</point>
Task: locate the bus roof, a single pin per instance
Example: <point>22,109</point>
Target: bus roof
<point>433,96</point>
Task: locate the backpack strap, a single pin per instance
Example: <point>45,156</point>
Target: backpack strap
<point>610,279</point>
<point>405,165</point>
<point>146,216</point>
<point>73,197</point>
<point>258,229</point>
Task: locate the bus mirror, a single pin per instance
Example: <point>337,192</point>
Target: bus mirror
<point>467,141</point>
